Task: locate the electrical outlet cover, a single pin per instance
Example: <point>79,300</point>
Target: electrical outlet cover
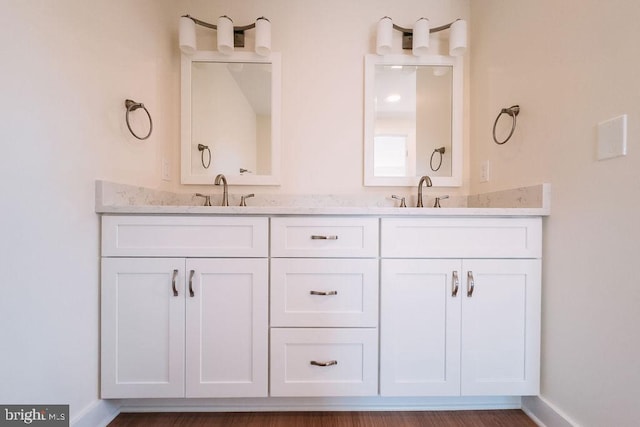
<point>484,171</point>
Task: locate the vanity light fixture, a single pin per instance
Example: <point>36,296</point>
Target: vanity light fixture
<point>417,38</point>
<point>229,36</point>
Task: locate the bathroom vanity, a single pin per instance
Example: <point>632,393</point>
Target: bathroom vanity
<point>279,302</point>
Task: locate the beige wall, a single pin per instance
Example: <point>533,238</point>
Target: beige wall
<point>67,67</point>
<point>570,65</point>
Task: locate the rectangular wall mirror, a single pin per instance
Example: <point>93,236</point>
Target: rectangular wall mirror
<point>230,118</point>
<point>413,120</point>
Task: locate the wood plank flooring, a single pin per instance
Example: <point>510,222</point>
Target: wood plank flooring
<point>494,418</point>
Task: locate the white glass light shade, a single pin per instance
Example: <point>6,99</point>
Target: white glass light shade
<point>187,35</point>
<point>263,36</point>
<point>458,38</point>
<point>384,36</point>
<point>225,35</point>
<point>421,37</point>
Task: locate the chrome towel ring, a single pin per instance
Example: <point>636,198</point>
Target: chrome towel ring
<point>133,106</point>
<point>512,111</point>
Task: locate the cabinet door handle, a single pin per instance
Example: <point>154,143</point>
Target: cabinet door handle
<point>317,237</point>
<point>323,292</point>
<point>191,293</point>
<point>455,284</point>
<point>470,283</point>
<point>329,363</point>
<point>173,283</point>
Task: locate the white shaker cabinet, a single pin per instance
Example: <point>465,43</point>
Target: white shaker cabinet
<point>452,326</point>
<point>184,327</point>
<point>226,327</point>
<point>143,330</point>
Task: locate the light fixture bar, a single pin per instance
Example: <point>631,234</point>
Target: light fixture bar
<point>431,30</point>
<point>215,27</point>
<point>407,33</point>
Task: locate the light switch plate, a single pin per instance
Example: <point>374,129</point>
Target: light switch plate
<point>612,138</point>
<point>166,170</point>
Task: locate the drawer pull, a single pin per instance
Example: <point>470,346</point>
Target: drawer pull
<point>191,293</point>
<point>470,284</point>
<point>455,285</point>
<point>323,292</point>
<point>329,363</point>
<point>173,283</point>
<point>317,237</point>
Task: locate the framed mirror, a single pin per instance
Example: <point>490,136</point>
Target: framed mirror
<point>413,120</point>
<point>230,118</point>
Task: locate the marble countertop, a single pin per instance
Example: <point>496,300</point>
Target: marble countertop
<point>123,199</point>
<point>352,211</point>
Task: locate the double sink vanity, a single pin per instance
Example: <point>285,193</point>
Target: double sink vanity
<point>320,301</point>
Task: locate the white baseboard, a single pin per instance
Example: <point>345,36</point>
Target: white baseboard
<point>98,414</point>
<point>321,404</point>
<point>544,413</point>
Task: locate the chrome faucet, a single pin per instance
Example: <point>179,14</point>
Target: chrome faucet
<point>427,180</point>
<point>225,191</point>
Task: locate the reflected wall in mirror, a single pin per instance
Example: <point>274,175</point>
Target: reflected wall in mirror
<point>231,106</point>
<point>413,120</point>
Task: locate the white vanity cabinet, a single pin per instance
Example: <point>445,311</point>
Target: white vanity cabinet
<point>184,307</point>
<point>460,306</point>
<point>324,306</point>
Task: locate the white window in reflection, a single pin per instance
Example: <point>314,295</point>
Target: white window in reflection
<point>391,155</point>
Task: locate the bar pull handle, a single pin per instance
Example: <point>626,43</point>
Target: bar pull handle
<point>173,283</point>
<point>317,237</point>
<point>329,363</point>
<point>323,292</point>
<point>470,283</point>
<point>191,293</point>
<point>455,284</point>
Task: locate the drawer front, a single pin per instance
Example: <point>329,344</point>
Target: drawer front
<point>324,237</point>
<point>324,292</point>
<point>185,236</point>
<point>461,238</point>
<point>324,362</point>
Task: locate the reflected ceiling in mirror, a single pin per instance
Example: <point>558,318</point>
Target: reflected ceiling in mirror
<point>230,105</point>
<point>413,119</point>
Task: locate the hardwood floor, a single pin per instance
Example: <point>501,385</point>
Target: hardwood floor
<point>503,418</point>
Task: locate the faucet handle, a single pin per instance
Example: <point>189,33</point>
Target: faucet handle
<point>437,202</point>
<point>207,199</point>
<point>402,203</point>
<point>243,199</point>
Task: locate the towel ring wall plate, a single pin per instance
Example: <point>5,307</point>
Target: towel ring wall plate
<point>133,106</point>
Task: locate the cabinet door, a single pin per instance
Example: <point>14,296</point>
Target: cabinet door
<point>501,327</point>
<point>142,327</point>
<point>227,321</point>
<point>419,328</point>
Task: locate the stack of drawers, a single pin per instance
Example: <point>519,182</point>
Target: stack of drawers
<point>324,306</point>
